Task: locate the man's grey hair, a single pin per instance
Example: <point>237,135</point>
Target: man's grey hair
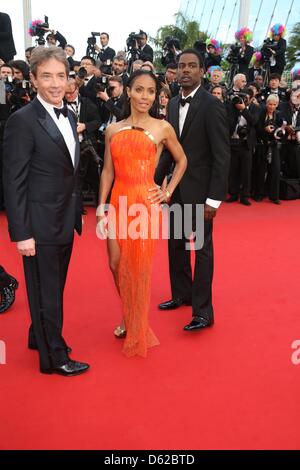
<point>41,55</point>
<point>238,77</point>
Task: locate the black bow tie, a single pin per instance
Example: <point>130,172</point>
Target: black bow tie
<point>59,111</point>
<point>183,101</point>
<point>72,102</point>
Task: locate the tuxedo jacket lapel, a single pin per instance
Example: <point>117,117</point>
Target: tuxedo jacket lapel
<point>174,115</point>
<point>193,109</point>
<point>54,133</point>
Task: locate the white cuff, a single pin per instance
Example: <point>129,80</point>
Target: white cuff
<point>213,203</point>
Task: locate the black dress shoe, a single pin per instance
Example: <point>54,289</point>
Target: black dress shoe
<point>232,199</point>
<point>245,201</point>
<point>198,323</point>
<point>173,304</point>
<point>276,201</point>
<point>69,369</point>
<point>33,347</point>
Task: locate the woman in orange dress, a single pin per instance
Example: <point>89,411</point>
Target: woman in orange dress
<point>133,148</point>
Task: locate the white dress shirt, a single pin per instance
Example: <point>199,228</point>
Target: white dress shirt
<point>183,110</point>
<point>63,125</point>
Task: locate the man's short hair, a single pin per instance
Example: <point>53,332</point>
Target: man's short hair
<point>43,54</point>
<point>120,57</point>
<point>30,49</point>
<point>194,52</point>
<point>6,65</point>
<point>51,35</point>
<point>116,78</point>
<point>72,47</point>
<point>143,33</point>
<point>106,34</point>
<point>275,76</point>
<point>87,57</point>
<point>238,77</point>
<point>171,65</point>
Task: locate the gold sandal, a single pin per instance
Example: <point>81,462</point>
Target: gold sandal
<point>120,332</point>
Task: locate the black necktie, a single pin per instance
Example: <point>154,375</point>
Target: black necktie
<point>59,111</point>
<point>183,101</point>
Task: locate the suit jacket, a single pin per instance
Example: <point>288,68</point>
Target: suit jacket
<point>251,115</point>
<point>89,116</point>
<point>40,181</point>
<point>146,54</point>
<point>205,140</point>
<point>89,90</point>
<point>244,60</point>
<point>7,45</point>
<point>107,54</point>
<point>280,55</point>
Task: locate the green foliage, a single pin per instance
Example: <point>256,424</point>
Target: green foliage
<point>293,49</point>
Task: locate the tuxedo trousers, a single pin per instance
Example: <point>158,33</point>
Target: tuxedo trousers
<point>195,288</point>
<point>45,275</point>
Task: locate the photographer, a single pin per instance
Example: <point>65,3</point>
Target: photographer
<point>22,92</point>
<point>111,101</point>
<point>88,123</point>
<point>241,55</point>
<point>171,49</point>
<point>55,37</point>
<point>267,158</point>
<point>239,83</point>
<point>171,79</point>
<point>256,66</point>
<point>119,67</point>
<point>106,53</point>
<point>145,51</point>
<point>28,53</point>
<point>86,79</point>
<point>290,112</point>
<point>277,47</point>
<point>213,53</point>
<point>216,76</point>
<point>273,88</point>
<point>70,52</point>
<point>243,116</point>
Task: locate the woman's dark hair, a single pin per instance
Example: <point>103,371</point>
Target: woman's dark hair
<point>141,73</point>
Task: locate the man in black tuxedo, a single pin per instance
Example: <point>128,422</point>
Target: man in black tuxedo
<point>106,53</point>
<point>88,123</point>
<point>145,52</point>
<point>7,45</point>
<point>40,167</point>
<point>200,123</point>
<point>87,86</point>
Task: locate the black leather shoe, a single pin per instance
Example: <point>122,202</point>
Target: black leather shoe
<point>198,323</point>
<point>33,347</point>
<point>173,304</point>
<point>245,201</point>
<point>69,369</point>
<point>232,199</point>
<point>276,201</point>
<point>7,298</point>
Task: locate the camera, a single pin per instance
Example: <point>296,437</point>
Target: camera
<point>91,41</point>
<point>170,43</point>
<point>9,86</point>
<point>234,52</point>
<point>242,132</point>
<point>20,94</point>
<point>278,129</point>
<point>132,39</point>
<point>40,33</point>
<point>82,73</point>
<point>239,98</point>
<point>266,50</point>
<point>101,84</point>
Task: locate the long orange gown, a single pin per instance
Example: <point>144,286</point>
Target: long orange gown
<point>133,152</point>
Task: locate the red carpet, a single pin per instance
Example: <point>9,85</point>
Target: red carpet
<point>230,387</point>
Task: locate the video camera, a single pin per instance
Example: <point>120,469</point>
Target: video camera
<point>234,52</point>
<point>40,32</point>
<point>91,42</point>
<point>170,43</point>
<point>266,50</point>
<point>132,39</point>
<point>20,93</point>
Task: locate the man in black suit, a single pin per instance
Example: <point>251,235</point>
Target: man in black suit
<point>87,86</point>
<point>88,123</point>
<point>145,51</point>
<point>7,45</point>
<point>200,123</point>
<point>106,53</point>
<point>40,167</point>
